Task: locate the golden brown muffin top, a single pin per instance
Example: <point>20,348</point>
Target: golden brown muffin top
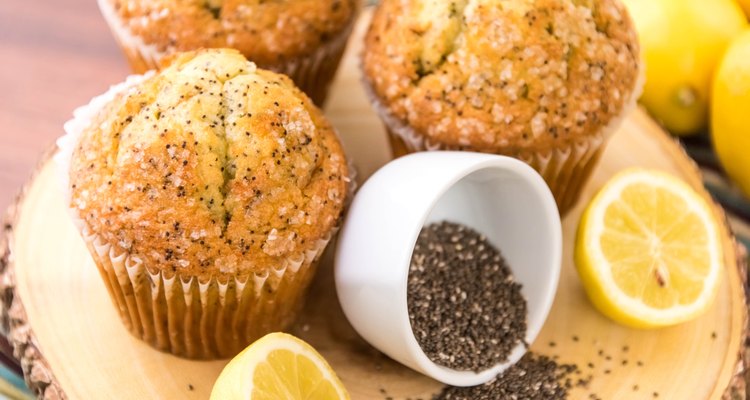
<point>211,167</point>
<point>268,31</point>
<point>511,75</point>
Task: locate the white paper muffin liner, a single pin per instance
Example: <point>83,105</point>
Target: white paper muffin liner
<point>312,73</point>
<point>565,169</point>
<point>189,316</point>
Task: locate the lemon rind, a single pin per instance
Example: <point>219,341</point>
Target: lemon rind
<point>631,309</point>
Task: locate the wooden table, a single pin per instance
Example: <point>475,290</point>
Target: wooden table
<point>54,56</point>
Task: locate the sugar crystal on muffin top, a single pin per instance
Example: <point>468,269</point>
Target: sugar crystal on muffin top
<point>211,166</point>
<point>270,31</point>
<point>511,75</point>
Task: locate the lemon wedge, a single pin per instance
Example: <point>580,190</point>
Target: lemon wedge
<point>648,250</point>
<point>278,367</point>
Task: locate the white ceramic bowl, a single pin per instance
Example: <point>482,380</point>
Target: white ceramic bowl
<point>500,197</point>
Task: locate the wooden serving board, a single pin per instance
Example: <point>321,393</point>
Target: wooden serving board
<point>72,343</point>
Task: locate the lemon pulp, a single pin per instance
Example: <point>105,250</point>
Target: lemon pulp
<point>648,250</point>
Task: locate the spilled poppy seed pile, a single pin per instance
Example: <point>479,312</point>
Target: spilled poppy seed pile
<point>534,377</point>
<point>466,310</point>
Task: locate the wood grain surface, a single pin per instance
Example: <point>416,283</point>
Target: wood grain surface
<point>63,326</point>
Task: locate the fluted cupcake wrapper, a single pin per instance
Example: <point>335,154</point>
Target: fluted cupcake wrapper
<point>201,317</point>
<point>312,73</point>
<point>565,169</point>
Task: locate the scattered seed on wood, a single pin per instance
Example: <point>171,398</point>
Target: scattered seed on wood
<point>465,308</point>
<point>534,377</point>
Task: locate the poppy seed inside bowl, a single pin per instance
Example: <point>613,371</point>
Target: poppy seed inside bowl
<point>465,308</point>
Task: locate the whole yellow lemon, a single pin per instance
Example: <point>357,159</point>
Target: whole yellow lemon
<point>681,42</point>
<point>730,111</point>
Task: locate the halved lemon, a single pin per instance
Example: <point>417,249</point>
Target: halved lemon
<point>648,250</point>
<point>278,367</point>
